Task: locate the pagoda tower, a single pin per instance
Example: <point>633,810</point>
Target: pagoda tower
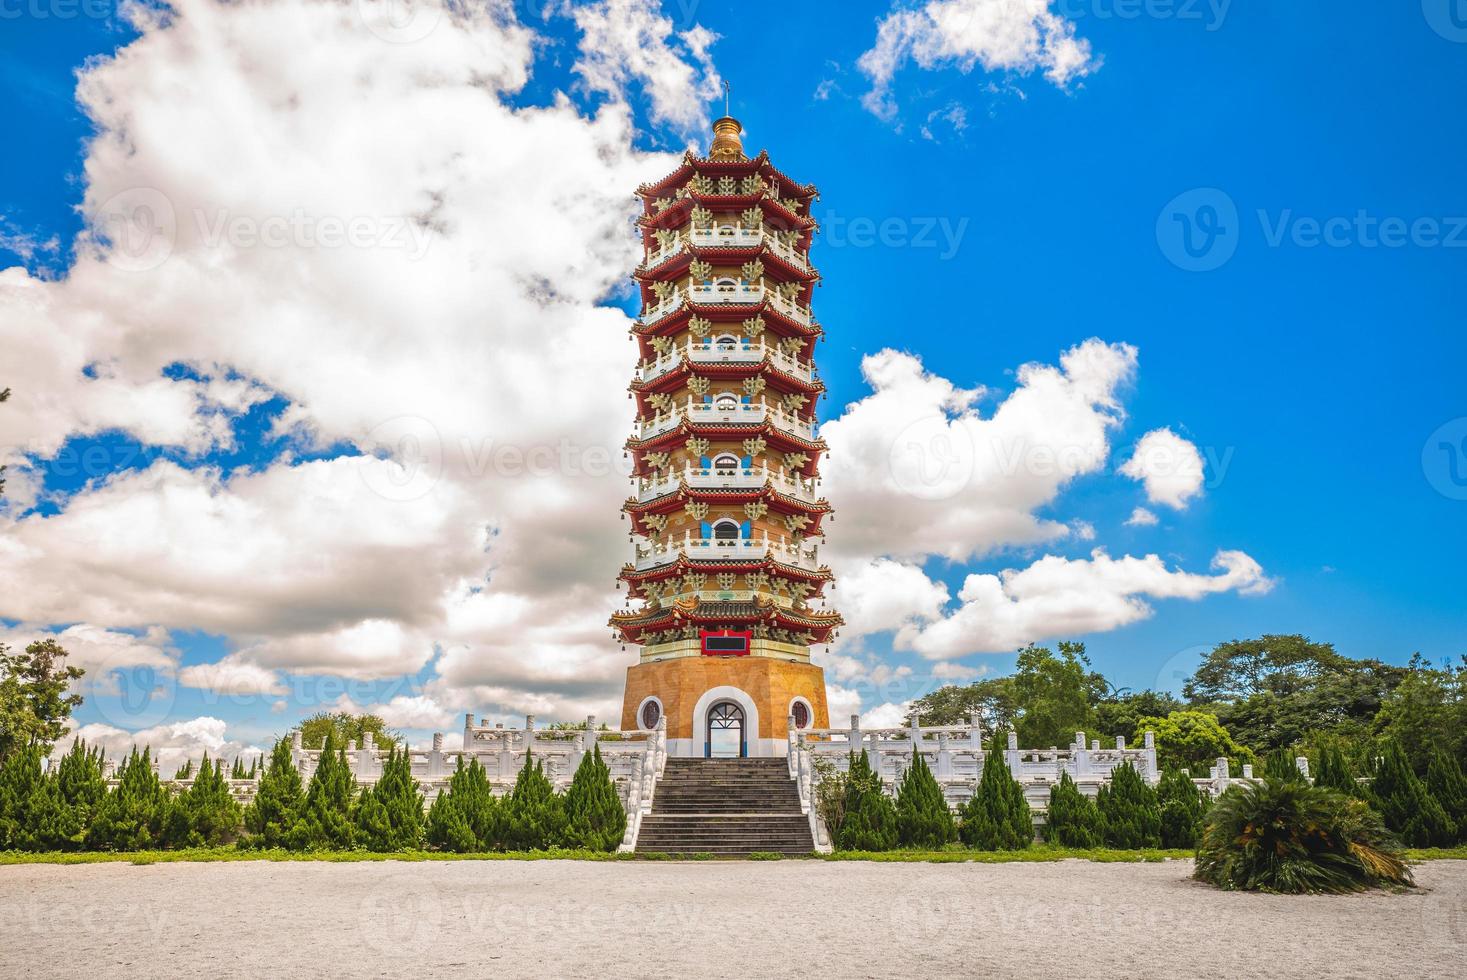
<point>725,589</point>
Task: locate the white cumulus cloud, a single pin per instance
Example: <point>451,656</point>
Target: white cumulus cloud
<point>1169,467</point>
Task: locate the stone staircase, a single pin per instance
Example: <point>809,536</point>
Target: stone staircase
<point>726,808</point>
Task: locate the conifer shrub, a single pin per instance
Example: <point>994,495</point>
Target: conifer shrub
<point>204,815</point>
<point>1333,771</point>
<point>132,817</point>
<point>1444,780</point>
<point>390,814</point>
<point>238,770</point>
<point>596,820</point>
<point>33,815</point>
<point>869,822</point>
<point>1130,810</point>
<point>1281,764</point>
<point>997,817</point>
<point>1182,809</point>
<point>82,786</point>
<point>533,814</point>
<point>273,817</point>
<point>1074,819</point>
<point>922,816</point>
<point>464,817</point>
<point>185,771</point>
<point>1283,835</point>
<point>326,817</point>
<point>1406,805</point>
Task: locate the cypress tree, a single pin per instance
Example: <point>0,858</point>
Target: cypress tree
<point>1333,772</point>
<point>1406,805</point>
<point>326,822</point>
<point>185,771</point>
<point>33,816</point>
<point>204,815</point>
<point>870,816</point>
<point>997,817</point>
<point>273,817</point>
<point>1444,780</point>
<point>534,815</point>
<point>80,782</point>
<point>1074,819</point>
<point>237,771</point>
<point>595,817</point>
<point>1130,809</point>
<point>1182,809</point>
<point>390,816</point>
<point>133,816</point>
<point>922,816</point>
<point>464,817</point>
<point>1281,764</point>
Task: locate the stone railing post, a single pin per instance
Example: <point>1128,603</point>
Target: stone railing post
<point>1079,757</point>
<point>435,757</point>
<point>854,739</point>
<point>1012,755</point>
<point>975,733</point>
<point>1221,783</point>
<point>791,734</point>
<point>1302,762</point>
<point>944,757</point>
<point>1148,745</point>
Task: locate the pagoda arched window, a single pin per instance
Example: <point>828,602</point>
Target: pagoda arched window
<point>726,342</point>
<point>726,402</point>
<point>726,530</point>
<point>726,464</point>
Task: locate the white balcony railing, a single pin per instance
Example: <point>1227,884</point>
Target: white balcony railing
<point>746,294</point>
<point>716,412</point>
<point>729,236</point>
<point>657,311</point>
<point>750,478</point>
<point>726,353</point>
<point>650,554</point>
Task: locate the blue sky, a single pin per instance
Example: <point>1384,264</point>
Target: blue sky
<point>1313,377</point>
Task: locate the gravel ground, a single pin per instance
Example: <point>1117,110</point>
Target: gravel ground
<point>704,919</point>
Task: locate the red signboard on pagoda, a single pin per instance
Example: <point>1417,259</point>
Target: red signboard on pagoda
<point>726,643</point>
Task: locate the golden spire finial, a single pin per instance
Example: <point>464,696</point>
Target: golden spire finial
<point>727,131</point>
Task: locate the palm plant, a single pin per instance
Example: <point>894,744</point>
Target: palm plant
<point>1285,836</point>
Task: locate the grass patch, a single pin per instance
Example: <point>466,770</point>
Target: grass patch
<point>1417,854</point>
<point>1039,853</point>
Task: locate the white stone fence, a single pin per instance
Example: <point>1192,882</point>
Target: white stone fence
<point>955,754</point>
<point>635,760</point>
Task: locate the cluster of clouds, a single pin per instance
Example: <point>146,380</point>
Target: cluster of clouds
<point>391,521</point>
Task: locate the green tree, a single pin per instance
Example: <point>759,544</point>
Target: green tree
<point>80,781</point>
<point>1278,690</point>
<point>997,817</point>
<point>274,815</point>
<point>534,814</point>
<point>1130,809</point>
<point>595,817</point>
<point>922,815</point>
<point>869,823</point>
<point>1191,739</point>
<point>33,816</point>
<point>390,815</point>
<point>464,817</point>
<point>1445,782</point>
<point>1124,713</point>
<point>992,699</point>
<point>1056,694</point>
<point>1282,764</point>
<point>346,727</point>
<point>185,771</point>
<point>1332,771</point>
<point>34,701</point>
<point>326,822</point>
<point>1405,804</point>
<point>238,770</point>
<point>204,815</point>
<point>1073,819</point>
<point>1422,712</point>
<point>1182,809</point>
<point>133,816</point>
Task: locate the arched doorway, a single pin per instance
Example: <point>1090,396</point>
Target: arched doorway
<point>724,733</point>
